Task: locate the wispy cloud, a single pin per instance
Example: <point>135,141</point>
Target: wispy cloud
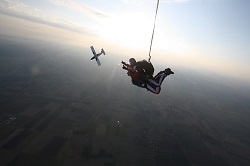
<point>144,2</point>
<point>77,6</point>
<point>135,2</point>
<point>176,1</point>
<point>140,2</point>
<point>23,11</point>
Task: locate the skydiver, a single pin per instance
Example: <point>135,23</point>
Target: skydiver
<point>141,74</point>
<point>137,78</point>
<point>144,68</point>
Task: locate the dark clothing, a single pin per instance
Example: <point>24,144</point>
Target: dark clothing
<point>154,85</point>
<point>139,82</point>
<point>137,78</point>
<point>141,74</point>
<point>144,68</point>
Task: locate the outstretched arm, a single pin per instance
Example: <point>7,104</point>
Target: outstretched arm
<point>128,67</point>
<point>124,63</point>
<point>124,67</point>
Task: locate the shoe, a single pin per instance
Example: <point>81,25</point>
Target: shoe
<point>168,71</point>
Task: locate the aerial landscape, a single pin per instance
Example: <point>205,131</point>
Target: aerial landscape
<point>58,108</point>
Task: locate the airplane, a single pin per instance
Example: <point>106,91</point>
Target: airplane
<point>97,55</point>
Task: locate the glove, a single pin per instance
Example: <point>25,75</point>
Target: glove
<point>124,67</point>
<point>123,63</point>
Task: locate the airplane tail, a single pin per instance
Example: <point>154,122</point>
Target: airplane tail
<point>102,51</point>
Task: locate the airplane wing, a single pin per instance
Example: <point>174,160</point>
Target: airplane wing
<point>98,61</point>
<point>93,50</point>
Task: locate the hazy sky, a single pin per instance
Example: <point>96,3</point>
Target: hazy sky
<point>205,34</point>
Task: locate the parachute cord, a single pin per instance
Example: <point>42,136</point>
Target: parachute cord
<point>153,31</point>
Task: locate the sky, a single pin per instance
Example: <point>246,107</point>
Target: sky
<point>209,35</point>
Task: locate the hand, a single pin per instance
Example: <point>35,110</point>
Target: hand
<point>124,67</point>
<point>123,63</point>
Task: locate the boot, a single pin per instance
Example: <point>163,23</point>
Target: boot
<point>168,71</point>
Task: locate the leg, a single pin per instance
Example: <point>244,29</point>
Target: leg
<point>158,79</point>
<point>153,89</point>
<point>154,85</point>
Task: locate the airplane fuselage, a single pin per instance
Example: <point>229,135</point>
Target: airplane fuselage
<point>97,55</point>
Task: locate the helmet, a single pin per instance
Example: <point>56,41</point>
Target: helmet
<point>132,61</point>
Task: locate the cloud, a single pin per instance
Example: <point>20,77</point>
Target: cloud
<point>176,1</point>
<point>23,11</point>
<point>135,2</point>
<point>74,5</point>
<point>141,2</point>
